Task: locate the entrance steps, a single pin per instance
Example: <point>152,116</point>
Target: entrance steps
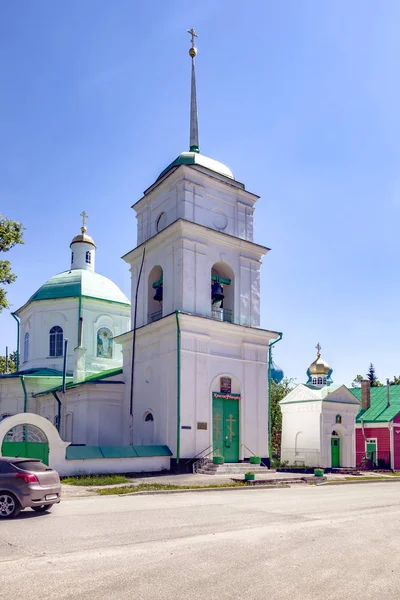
<point>208,468</point>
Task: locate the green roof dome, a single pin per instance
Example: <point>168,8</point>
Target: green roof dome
<point>195,158</point>
<point>80,282</point>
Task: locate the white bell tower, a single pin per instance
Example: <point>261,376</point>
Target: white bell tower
<point>196,277</point>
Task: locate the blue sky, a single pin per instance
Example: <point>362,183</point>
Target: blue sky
<point>300,99</point>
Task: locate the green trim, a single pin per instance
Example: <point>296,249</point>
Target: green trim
<point>91,379</point>
<point>158,283</point>
<point>101,452</point>
<point>278,339</point>
<point>22,378</point>
<point>18,333</point>
<point>219,279</point>
<point>193,157</point>
<point>105,300</point>
<point>178,387</point>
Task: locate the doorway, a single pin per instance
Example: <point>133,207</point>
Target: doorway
<point>335,451</point>
<point>26,441</point>
<point>226,426</point>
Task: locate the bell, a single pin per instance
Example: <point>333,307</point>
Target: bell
<point>217,293</point>
<point>159,294</point>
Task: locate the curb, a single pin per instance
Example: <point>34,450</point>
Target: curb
<point>202,490</point>
<point>391,480</point>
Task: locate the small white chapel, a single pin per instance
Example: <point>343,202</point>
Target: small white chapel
<point>318,421</point>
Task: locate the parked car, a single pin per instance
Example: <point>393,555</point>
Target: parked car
<point>27,483</point>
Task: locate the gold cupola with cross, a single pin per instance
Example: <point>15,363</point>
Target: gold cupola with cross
<point>319,372</point>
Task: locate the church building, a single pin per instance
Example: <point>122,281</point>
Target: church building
<point>192,374</point>
<point>318,421</point>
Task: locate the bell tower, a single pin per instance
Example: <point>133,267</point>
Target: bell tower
<point>196,271</point>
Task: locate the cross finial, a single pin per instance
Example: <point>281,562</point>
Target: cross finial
<point>84,217</point>
<point>193,34</point>
<point>318,347</point>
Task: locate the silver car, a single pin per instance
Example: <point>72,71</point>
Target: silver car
<point>27,483</point>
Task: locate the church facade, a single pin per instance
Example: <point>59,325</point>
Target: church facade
<point>191,375</point>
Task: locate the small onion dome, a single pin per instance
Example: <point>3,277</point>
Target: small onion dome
<point>319,367</point>
<point>83,238</point>
<point>276,373</point>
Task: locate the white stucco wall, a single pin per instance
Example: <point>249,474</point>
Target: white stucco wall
<point>38,318</point>
<point>209,350</point>
<point>198,196</point>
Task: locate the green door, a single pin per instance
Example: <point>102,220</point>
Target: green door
<point>371,451</point>
<point>26,450</point>
<point>226,428</point>
<point>335,452</point>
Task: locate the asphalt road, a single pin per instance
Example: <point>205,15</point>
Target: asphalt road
<point>298,543</point>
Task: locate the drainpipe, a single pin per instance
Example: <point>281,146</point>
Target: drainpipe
<point>18,327</point>
<point>178,387</point>
<point>133,353</point>
<point>59,410</point>
<point>278,339</point>
<point>80,322</point>
<point>22,378</point>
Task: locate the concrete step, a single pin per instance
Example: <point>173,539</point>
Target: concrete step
<point>231,469</point>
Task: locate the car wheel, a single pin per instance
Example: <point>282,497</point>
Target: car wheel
<point>9,506</point>
<point>43,508</point>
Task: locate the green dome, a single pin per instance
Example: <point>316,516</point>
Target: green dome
<point>194,158</point>
<point>79,282</point>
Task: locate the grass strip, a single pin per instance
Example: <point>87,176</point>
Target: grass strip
<point>155,487</point>
<point>91,480</point>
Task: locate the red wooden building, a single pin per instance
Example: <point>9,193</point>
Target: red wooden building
<point>378,426</point>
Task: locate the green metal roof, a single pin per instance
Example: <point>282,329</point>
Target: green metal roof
<point>97,377</point>
<point>80,282</point>
<point>195,158</point>
<point>88,452</point>
<point>35,372</point>
<point>379,412</point>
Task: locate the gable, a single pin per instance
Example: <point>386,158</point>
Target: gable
<point>343,396</point>
<point>302,393</point>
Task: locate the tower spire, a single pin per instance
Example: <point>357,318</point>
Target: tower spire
<point>194,125</point>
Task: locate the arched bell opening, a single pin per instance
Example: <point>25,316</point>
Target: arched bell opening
<point>155,294</point>
<point>222,292</point>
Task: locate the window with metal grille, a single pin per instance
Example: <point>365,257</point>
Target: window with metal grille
<point>56,341</point>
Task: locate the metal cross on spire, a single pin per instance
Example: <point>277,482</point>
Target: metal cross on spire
<point>194,124</point>
<point>318,347</point>
<point>84,217</point>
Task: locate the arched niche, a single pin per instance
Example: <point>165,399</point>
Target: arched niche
<point>222,274</point>
<point>154,305</point>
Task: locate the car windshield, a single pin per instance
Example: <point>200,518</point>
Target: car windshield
<point>32,465</point>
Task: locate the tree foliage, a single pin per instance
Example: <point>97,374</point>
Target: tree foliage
<point>10,234</point>
<point>12,361</point>
<point>278,392</point>
<point>371,376</point>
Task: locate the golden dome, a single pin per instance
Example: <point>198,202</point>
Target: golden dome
<point>319,366</point>
<point>83,237</point>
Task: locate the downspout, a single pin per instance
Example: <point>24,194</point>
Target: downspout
<point>59,410</point>
<point>278,339</point>
<point>178,387</point>
<point>18,328</point>
<point>80,322</point>
<point>133,353</point>
<point>22,378</point>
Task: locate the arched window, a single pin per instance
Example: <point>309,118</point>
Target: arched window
<point>148,429</point>
<point>88,257</point>
<point>324,380</point>
<point>319,380</point>
<point>56,341</point>
<point>104,343</point>
<point>314,381</point>
<point>72,258</point>
<point>222,292</point>
<point>26,347</point>
<point>155,294</point>
<point>338,419</point>
<point>148,417</point>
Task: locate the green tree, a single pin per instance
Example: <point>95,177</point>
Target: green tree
<point>371,375</point>
<point>12,361</point>
<point>357,381</point>
<point>10,235</point>
<point>395,380</point>
<point>278,392</point>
